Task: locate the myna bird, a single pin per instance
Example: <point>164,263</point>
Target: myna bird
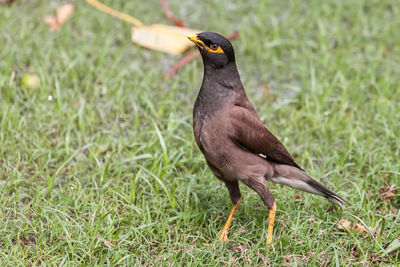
<point>235,143</point>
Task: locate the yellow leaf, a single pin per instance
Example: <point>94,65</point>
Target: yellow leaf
<point>169,39</point>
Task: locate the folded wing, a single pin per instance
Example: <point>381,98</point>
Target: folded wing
<point>250,134</point>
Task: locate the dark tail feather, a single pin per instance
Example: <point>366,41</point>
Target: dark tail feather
<point>325,192</point>
<point>293,177</point>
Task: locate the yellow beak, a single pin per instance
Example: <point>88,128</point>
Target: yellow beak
<point>195,39</point>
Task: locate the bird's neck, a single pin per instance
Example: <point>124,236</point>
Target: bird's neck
<point>218,87</point>
<point>228,76</point>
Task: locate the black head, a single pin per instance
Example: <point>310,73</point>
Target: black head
<point>215,49</point>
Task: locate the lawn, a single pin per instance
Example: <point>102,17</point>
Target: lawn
<point>98,165</point>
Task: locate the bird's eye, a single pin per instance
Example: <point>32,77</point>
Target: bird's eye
<point>213,46</point>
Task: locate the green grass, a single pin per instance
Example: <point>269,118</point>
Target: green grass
<point>112,157</point>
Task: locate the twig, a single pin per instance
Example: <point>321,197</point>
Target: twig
<point>7,2</point>
<point>115,13</point>
<point>12,78</point>
<point>182,62</point>
<point>191,55</point>
<point>170,16</point>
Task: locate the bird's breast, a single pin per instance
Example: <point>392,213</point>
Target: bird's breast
<point>212,137</point>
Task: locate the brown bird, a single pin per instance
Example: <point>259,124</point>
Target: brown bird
<point>235,143</point>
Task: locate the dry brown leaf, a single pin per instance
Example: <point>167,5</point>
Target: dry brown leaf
<point>362,229</point>
<point>297,196</point>
<point>106,242</point>
<point>388,188</point>
<point>359,228</point>
<point>239,248</point>
<point>64,12</point>
<point>344,224</point>
<point>62,15</point>
<point>312,219</point>
<point>388,195</point>
<point>52,22</point>
<point>388,191</point>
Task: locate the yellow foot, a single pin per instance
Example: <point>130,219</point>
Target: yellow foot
<point>271,219</point>
<point>269,239</point>
<point>224,234</point>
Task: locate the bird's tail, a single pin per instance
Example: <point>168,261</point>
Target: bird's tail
<point>295,178</point>
<point>325,192</point>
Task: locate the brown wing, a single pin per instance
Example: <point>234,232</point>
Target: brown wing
<point>251,134</point>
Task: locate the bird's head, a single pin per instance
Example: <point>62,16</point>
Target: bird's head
<point>215,49</point>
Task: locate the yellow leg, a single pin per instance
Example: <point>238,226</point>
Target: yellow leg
<point>224,234</point>
<point>271,219</point>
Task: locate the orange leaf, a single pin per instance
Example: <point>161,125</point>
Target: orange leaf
<point>62,15</point>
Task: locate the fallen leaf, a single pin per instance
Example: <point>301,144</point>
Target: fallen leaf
<point>7,2</point>
<point>344,224</point>
<point>165,38</point>
<point>377,259</point>
<point>62,15</point>
<point>106,242</point>
<point>239,248</point>
<point>52,22</point>
<point>64,12</point>
<point>297,196</point>
<point>387,192</point>
<point>312,219</point>
<point>387,195</point>
<point>359,228</point>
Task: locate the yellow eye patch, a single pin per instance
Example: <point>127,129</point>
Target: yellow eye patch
<point>218,50</point>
